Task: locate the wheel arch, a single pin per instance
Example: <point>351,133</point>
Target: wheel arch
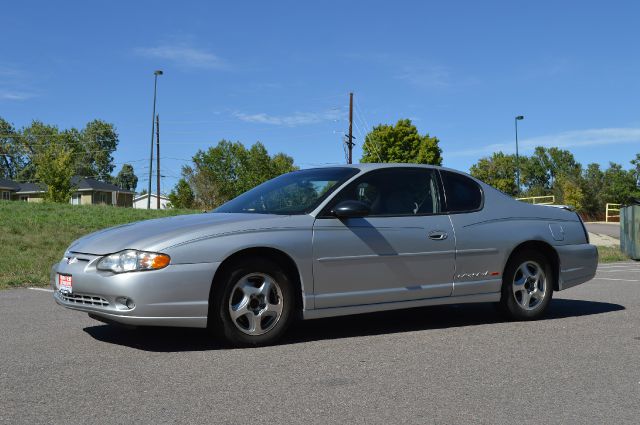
<point>547,250</point>
<point>280,257</point>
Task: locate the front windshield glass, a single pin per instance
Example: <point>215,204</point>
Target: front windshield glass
<point>298,192</point>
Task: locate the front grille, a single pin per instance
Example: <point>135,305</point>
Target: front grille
<point>84,299</point>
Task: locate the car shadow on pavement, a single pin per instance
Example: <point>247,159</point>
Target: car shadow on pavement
<point>158,339</point>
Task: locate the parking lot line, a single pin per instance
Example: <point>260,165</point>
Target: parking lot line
<point>41,289</point>
<point>618,270</point>
<point>629,267</point>
<point>613,278</point>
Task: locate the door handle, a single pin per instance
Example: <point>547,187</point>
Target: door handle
<point>438,235</point>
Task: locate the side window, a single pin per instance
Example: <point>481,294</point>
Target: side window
<point>395,192</point>
<point>462,193</point>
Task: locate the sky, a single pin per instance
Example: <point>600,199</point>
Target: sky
<point>280,72</point>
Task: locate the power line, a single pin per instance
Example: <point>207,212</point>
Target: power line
<point>374,140</point>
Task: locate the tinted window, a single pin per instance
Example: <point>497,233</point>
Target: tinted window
<point>462,193</point>
<point>395,192</point>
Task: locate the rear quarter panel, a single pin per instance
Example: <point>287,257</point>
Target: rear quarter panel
<point>485,239</point>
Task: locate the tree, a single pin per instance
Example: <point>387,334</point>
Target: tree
<point>400,143</point>
<point>281,164</point>
<point>559,162</point>
<point>535,174</point>
<point>592,183</point>
<point>499,171</point>
<point>94,146</point>
<point>223,172</point>
<point>619,185</point>
<point>126,178</point>
<point>35,139</point>
<point>91,148</point>
<point>570,192</point>
<point>182,195</point>
<point>636,169</point>
<point>12,156</point>
<point>540,171</point>
<point>54,168</point>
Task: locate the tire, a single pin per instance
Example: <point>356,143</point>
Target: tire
<point>252,303</point>
<point>527,286</point>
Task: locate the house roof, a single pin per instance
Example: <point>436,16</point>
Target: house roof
<point>9,184</point>
<point>153,195</point>
<point>31,188</point>
<point>85,183</point>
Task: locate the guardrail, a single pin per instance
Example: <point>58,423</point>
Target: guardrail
<point>612,208</point>
<point>539,200</point>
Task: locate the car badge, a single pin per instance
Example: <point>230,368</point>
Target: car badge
<point>72,260</point>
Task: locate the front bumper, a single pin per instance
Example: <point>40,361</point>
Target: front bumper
<point>578,264</point>
<point>177,295</point>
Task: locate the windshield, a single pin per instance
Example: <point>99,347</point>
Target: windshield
<point>298,192</point>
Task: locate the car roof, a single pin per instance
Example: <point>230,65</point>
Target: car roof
<point>369,166</point>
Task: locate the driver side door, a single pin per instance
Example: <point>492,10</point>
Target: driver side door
<point>403,250</point>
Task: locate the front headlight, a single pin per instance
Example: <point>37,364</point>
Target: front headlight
<point>131,260</point>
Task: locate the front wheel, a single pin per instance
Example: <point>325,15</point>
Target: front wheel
<point>253,304</point>
<point>527,286</point>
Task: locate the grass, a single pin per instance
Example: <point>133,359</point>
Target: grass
<point>34,236</point>
<point>610,254</point>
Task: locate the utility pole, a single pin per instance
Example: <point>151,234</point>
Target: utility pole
<point>350,142</point>
<point>158,159</point>
<point>153,117</point>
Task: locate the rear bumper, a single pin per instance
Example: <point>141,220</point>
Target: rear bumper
<point>578,264</point>
<point>175,296</point>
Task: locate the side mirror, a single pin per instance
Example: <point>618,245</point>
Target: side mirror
<point>351,209</point>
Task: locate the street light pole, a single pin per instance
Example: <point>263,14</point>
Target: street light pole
<point>153,118</point>
<point>518,118</point>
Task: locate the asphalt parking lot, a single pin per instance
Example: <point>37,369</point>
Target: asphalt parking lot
<point>609,229</point>
<point>453,364</point>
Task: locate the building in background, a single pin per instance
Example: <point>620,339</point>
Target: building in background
<point>30,192</point>
<point>140,202</point>
<point>88,192</point>
<point>7,189</point>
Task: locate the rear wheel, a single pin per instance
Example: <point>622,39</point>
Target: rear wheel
<point>527,286</point>
<point>253,303</point>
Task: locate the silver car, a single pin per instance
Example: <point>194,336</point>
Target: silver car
<point>329,242</point>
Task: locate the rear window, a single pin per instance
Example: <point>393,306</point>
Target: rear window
<point>462,193</point>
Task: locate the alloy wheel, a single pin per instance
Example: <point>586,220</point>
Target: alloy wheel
<point>529,285</point>
<point>255,304</point>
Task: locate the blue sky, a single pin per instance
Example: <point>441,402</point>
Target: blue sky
<point>280,72</point>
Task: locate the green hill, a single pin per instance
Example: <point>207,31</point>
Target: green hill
<point>34,236</point>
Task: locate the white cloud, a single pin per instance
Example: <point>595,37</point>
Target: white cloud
<point>567,139</point>
<point>293,120</point>
<point>183,55</point>
<point>15,84</point>
<point>426,76</point>
<point>14,95</point>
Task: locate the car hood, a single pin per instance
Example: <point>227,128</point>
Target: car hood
<point>157,234</point>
